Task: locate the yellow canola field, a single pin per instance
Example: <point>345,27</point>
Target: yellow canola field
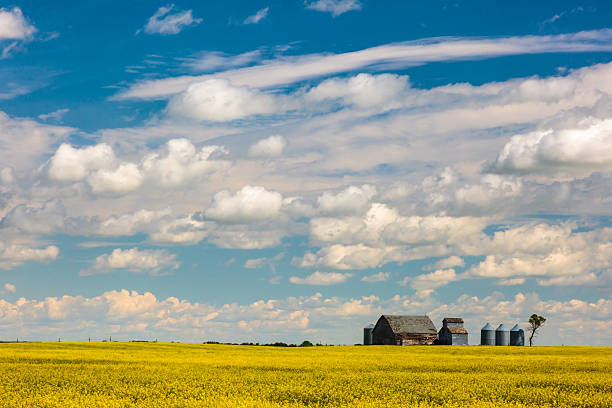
<point>197,375</point>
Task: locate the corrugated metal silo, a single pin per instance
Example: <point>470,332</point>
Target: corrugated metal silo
<point>517,336</point>
<point>502,336</point>
<point>367,335</point>
<point>487,335</point>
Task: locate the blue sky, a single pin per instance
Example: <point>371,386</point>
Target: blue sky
<point>289,170</point>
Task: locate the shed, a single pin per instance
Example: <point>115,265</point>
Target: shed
<point>453,332</point>
<point>404,330</point>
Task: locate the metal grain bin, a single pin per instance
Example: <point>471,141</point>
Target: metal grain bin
<point>367,335</point>
<point>502,336</point>
<point>517,336</point>
<point>487,335</point>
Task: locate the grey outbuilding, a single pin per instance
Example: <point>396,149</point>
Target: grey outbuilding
<point>453,332</point>
<point>517,336</point>
<point>367,335</point>
<point>502,336</point>
<point>487,335</point>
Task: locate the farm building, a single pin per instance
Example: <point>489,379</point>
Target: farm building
<point>404,330</point>
<point>453,332</point>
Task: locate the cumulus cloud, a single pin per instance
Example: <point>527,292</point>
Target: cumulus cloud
<point>257,17</point>
<point>352,200</point>
<point>129,314</point>
<point>249,204</point>
<point>25,142</point>
<point>334,7</point>
<point>133,260</point>
<point>586,146</point>
<point>362,90</point>
<point>450,262</point>
<point>426,283</point>
<point>14,26</point>
<point>217,100</point>
<point>10,288</point>
<point>164,22</point>
<point>177,163</point>
<point>182,163</point>
<point>72,164</point>
<point>269,147</point>
<point>321,278</point>
<point>554,254</point>
<point>14,254</point>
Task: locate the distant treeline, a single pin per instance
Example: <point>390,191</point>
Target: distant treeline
<point>305,343</point>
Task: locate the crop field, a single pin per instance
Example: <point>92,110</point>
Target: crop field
<point>197,375</point>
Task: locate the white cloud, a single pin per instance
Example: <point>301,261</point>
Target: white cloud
<point>165,23</point>
<point>123,179</point>
<point>321,278</point>
<point>450,262</point>
<point>217,100</point>
<point>362,90</point>
<point>177,163</point>
<point>250,203</point>
<point>129,314</point>
<point>257,17</point>
<point>377,277</point>
<point>182,163</point>
<point>351,200</point>
<point>55,115</point>
<point>287,70</point>
<point>269,147</point>
<point>210,61</point>
<point>73,164</point>
<point>131,223</point>
<point>46,219</point>
<point>14,26</point>
<point>425,284</point>
<point>334,7</point>
<point>552,253</point>
<point>24,142</point>
<point>8,287</point>
<point>589,145</point>
<point>14,254</point>
<point>133,260</point>
<point>255,263</point>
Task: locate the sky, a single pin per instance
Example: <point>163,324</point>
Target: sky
<point>288,170</point>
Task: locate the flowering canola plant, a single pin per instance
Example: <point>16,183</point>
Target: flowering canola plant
<point>206,375</point>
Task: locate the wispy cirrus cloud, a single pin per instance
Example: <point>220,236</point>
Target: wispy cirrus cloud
<point>334,7</point>
<point>166,23</point>
<point>285,70</point>
<point>257,17</point>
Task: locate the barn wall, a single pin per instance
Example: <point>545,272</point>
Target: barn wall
<point>382,333</point>
<point>416,339</point>
<point>460,339</point>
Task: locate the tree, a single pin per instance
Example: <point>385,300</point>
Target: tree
<point>535,323</point>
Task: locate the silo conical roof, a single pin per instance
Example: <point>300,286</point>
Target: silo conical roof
<point>502,328</point>
<point>488,327</point>
<point>516,328</point>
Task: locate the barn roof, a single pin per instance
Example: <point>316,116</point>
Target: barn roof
<point>453,320</point>
<point>410,324</point>
<point>457,330</point>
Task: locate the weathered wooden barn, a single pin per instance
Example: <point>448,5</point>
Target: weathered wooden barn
<point>453,332</point>
<point>404,330</point>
